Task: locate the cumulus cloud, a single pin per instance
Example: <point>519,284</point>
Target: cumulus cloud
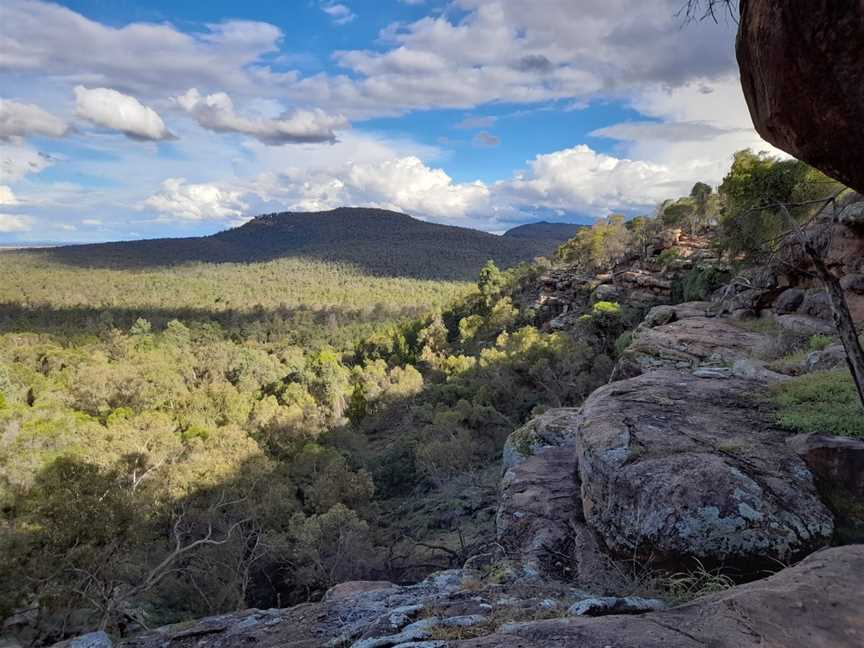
<point>339,13</point>
<point>47,39</point>
<point>22,119</point>
<point>195,201</point>
<point>494,50</point>
<point>120,112</point>
<point>403,184</point>
<point>580,180</point>
<point>216,112</point>
<point>7,196</point>
<point>10,223</point>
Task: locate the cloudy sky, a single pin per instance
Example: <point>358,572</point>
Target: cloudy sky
<point>128,119</point>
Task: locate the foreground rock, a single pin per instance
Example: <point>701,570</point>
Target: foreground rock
<point>815,604</point>
<point>673,465</point>
<point>812,605</point>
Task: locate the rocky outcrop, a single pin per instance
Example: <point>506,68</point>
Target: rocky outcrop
<point>641,282</point>
<point>800,63</point>
<point>685,343</point>
<point>815,604</point>
<point>673,465</point>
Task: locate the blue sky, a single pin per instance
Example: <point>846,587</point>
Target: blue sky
<point>123,119</point>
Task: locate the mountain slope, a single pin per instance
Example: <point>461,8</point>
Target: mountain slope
<point>381,242</point>
<point>544,234</point>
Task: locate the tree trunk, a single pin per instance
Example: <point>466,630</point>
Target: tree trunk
<point>843,321</point>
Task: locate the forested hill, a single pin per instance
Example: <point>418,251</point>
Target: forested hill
<point>545,231</point>
<point>380,242</point>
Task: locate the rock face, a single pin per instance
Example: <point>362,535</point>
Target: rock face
<point>673,465</point>
<point>815,604</point>
<point>643,282</point>
<point>539,495</point>
<point>803,79</point>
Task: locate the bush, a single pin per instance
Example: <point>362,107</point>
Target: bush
<point>699,283</point>
<point>824,402</point>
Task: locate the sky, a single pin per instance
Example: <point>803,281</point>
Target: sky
<point>123,120</point>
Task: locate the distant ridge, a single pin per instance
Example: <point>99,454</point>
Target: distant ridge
<point>545,233</point>
<point>381,242</point>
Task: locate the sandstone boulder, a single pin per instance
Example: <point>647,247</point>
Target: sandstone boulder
<point>675,466</point>
<point>789,301</point>
<point>689,343</point>
<point>801,71</point>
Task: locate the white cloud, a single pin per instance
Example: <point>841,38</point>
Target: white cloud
<point>22,119</point>
<point>580,180</point>
<point>339,13</point>
<point>687,131</point>
<point>10,223</point>
<point>18,161</point>
<point>120,112</point>
<point>195,201</point>
<point>46,39</point>
<point>7,196</point>
<point>702,123</point>
<point>495,50</point>
<point>216,112</point>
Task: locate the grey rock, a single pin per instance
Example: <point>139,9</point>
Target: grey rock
<point>815,604</point>
<point>713,372</point>
<point>615,605</point>
<point>804,325</point>
<point>789,301</point>
<point>853,283</point>
<point>831,358</point>
<point>675,466</point>
<point>418,630</point>
<point>97,639</point>
<point>816,304</point>
<point>689,343</point>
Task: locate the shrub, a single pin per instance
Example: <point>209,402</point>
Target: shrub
<point>820,342</point>
<point>825,402</point>
<point>699,283</point>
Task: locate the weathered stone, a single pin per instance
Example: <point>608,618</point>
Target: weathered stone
<point>539,496</point>
<point>689,343</point>
<point>816,304</point>
<point>606,292</point>
<point>800,63</point>
<point>815,604</point>
<point>615,605</point>
<point>804,325</point>
<point>350,588</point>
<point>853,283</point>
<point>98,639</point>
<point>825,360</point>
<point>789,301</point>
<point>675,466</point>
<point>834,461</point>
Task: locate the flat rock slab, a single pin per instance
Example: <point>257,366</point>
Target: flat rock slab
<point>689,343</point>
<point>676,466</point>
<point>816,604</point>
